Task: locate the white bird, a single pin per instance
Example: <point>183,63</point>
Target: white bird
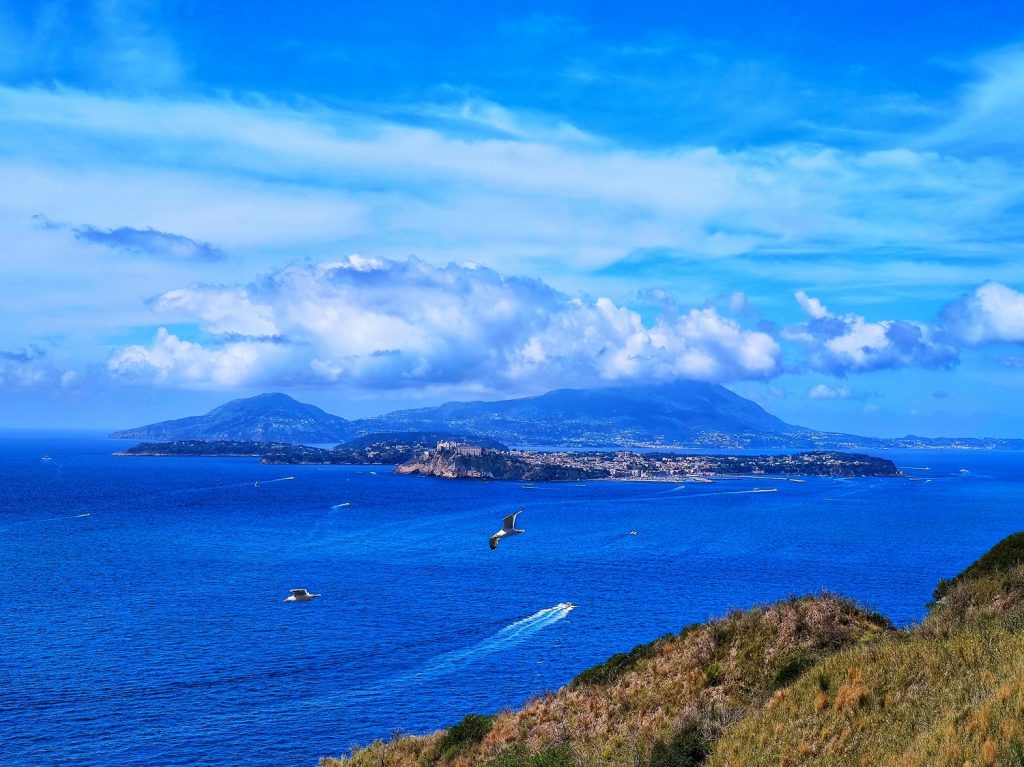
<point>300,595</point>
<point>508,527</point>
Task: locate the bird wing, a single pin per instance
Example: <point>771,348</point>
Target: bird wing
<point>298,592</point>
<point>509,523</point>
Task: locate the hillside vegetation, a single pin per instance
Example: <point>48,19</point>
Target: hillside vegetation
<point>808,681</point>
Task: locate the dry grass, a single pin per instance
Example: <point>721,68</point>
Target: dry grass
<point>949,692</point>
<point>701,681</point>
<point>809,681</point>
<point>920,701</point>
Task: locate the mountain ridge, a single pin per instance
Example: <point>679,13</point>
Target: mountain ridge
<point>678,414</point>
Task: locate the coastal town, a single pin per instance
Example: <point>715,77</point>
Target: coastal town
<point>464,461</point>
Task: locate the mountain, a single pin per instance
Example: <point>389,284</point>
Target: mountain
<point>677,413</point>
<point>816,681</point>
<point>264,418</point>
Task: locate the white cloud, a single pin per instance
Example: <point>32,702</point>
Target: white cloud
<point>169,359</point>
<point>221,310</point>
<point>993,313</point>
<point>839,344</point>
<point>989,115</point>
<point>812,307</point>
<point>259,174</point>
<point>824,391</point>
<point>31,367</point>
<point>378,323</point>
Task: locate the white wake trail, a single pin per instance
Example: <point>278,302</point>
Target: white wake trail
<point>510,636</point>
<point>734,492</point>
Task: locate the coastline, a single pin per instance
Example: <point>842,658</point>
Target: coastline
<point>459,460</point>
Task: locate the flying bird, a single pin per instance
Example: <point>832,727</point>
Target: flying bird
<point>300,595</point>
<point>508,527</point>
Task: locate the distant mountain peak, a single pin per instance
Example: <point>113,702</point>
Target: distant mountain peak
<point>270,417</point>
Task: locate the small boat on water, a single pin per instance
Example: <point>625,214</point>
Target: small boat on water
<point>46,458</point>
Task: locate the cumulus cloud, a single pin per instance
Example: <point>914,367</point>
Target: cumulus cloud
<point>380,323</point>
<point>992,313</point>
<point>31,367</point>
<point>839,344</point>
<point>150,242</point>
<point>824,391</point>
<point>172,359</point>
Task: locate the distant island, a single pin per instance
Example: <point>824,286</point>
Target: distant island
<point>680,414</point>
<point>387,448</point>
<point>423,454</point>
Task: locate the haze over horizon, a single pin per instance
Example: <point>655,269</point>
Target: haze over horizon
<point>372,208</point>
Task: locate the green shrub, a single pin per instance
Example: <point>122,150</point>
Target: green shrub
<point>791,670</point>
<point>687,748</point>
<point>552,756</point>
<point>713,675</point>
<point>616,666</point>
<point>471,730</point>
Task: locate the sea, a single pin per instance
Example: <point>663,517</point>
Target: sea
<point>143,621</point>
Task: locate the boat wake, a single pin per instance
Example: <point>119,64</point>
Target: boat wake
<point>45,519</point>
<point>504,639</point>
<point>728,492</point>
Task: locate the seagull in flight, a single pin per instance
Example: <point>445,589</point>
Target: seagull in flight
<point>301,595</point>
<point>508,527</point>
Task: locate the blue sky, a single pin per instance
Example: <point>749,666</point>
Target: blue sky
<point>374,206</point>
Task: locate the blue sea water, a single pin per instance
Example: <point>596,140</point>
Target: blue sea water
<point>142,621</point>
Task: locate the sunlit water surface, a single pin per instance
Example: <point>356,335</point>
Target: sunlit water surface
<point>142,621</point>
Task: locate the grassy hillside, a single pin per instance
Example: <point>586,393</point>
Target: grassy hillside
<point>809,681</point>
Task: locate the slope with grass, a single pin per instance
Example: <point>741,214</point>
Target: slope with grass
<point>947,692</point>
<point>652,705</point>
<point>809,681</point>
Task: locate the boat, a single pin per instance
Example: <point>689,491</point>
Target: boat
<point>46,458</point>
